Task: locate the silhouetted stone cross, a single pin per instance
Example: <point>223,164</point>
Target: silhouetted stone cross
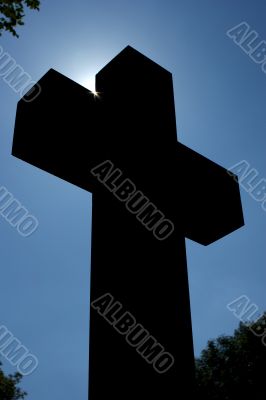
<point>149,194</point>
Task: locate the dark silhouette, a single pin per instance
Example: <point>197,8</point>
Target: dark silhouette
<point>9,389</point>
<point>12,14</point>
<point>67,131</point>
<point>233,367</point>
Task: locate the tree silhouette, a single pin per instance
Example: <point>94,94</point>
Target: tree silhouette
<point>9,386</point>
<point>12,13</point>
<point>233,367</point>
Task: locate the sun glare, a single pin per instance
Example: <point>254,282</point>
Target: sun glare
<point>89,83</point>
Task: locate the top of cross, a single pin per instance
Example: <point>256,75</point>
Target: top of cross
<point>66,130</point>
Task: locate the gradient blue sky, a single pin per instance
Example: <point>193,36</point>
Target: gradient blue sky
<point>220,108</point>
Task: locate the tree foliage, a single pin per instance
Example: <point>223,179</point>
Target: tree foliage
<point>233,367</point>
<point>9,389</point>
<point>12,13</point>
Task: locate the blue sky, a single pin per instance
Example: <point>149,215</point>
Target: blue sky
<point>220,109</point>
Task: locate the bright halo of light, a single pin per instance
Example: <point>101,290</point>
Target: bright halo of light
<point>89,83</point>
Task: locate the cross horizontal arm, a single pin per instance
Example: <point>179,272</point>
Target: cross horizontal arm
<point>211,201</point>
<point>58,131</point>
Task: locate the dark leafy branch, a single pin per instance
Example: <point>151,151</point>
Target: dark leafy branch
<point>12,14</point>
<point>233,367</point>
<point>9,389</point>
